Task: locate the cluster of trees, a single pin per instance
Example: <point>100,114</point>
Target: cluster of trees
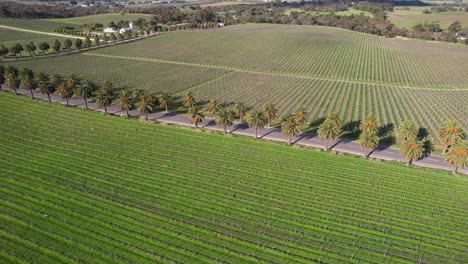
<point>444,8</point>
<point>413,143</point>
<point>433,31</point>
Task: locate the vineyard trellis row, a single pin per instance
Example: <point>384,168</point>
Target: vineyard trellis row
<point>287,204</point>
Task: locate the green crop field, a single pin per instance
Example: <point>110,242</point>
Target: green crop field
<point>409,18</point>
<point>9,37</point>
<point>322,69</point>
<point>78,186</point>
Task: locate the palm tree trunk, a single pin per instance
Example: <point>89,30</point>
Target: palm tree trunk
<point>126,112</point>
<point>105,109</point>
<point>445,148</point>
<point>48,96</point>
<point>86,103</point>
<point>240,117</point>
<point>167,110</point>
<point>326,144</point>
<point>269,122</point>
<point>32,95</point>
<point>146,116</point>
<point>225,132</point>
<point>196,124</point>
<point>454,170</point>
<point>256,132</point>
<point>67,102</point>
<point>16,92</point>
<point>408,162</point>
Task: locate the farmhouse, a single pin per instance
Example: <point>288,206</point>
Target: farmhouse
<point>121,31</point>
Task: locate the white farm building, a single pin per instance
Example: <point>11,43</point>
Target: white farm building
<point>121,31</point>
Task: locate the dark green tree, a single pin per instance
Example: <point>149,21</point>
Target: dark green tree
<point>86,91</point>
<point>57,45</point>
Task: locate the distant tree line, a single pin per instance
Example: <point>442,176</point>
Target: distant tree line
<point>31,49</point>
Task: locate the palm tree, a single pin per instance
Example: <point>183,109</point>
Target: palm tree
<point>450,134</point>
<point>86,91</point>
<point>224,118</point>
<point>137,94</point>
<point>125,101</point>
<point>369,125</point>
<point>12,82</point>
<point>44,85</point>
<point>241,109</point>
<point>11,78</point>
<point>457,156</point>
<point>65,91</point>
<point>189,100</point>
<point>257,120</point>
<point>301,116</point>
<point>166,100</point>
<point>107,88</point>
<point>103,98</point>
<point>335,118</point>
<point>291,127</point>
<point>407,130</point>
<point>73,81</point>
<point>328,131</point>
<point>56,80</point>
<point>27,80</point>
<point>213,107</point>
<point>368,142</point>
<point>412,149</point>
<point>270,112</point>
<point>145,105</point>
<point>195,115</point>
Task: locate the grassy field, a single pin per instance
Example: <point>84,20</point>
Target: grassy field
<point>322,69</point>
<point>9,37</point>
<point>409,18</point>
<point>101,18</point>
<point>49,25</point>
<point>32,24</point>
<point>77,186</point>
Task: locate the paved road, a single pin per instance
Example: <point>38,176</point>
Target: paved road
<point>41,32</point>
<point>341,145</point>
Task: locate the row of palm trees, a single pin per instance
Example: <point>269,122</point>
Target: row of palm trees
<point>413,146</point>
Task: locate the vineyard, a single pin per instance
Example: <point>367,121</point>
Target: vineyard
<point>313,52</point>
<point>119,192</point>
<point>322,69</point>
<point>10,37</point>
<point>391,105</point>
